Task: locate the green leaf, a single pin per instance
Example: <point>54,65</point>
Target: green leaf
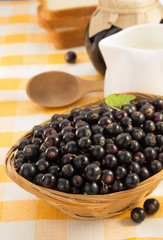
<point>118,100</point>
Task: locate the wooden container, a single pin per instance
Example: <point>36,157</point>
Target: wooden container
<point>85,206</point>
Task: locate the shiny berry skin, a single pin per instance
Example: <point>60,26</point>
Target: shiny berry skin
<point>134,146</point>
<point>113,129</point>
<point>160,157</point>
<point>91,188</point>
<point>43,147</point>
<point>37,141</point>
<point>97,129</point>
<point>80,162</point>
<point>149,126</point>
<point>18,163</point>
<point>92,117</point>
<point>111,148</point>
<point>92,172</point>
<point>148,111</point>
<point>151,206</point>
<point>42,165</point>
<point>83,132</point>
<point>129,108</point>
<point>84,143</point>
<point>125,157</point>
<point>117,186</point>
<point>120,172</point>
<point>109,161</point>
<point>159,127</point>
<point>157,103</point>
<point>157,117</point>
<point>137,118</point>
<point>37,179</point>
<point>67,129</point>
<point>55,125</point>
<point>150,140</point>
<point>68,171</point>
<point>120,114</point>
<point>81,124</point>
<point>70,57</point>
<point>134,167</point>
<point>52,140</point>
<point>139,157</point>
<point>142,102</point>
<point>64,123</point>
<point>71,147</point>
<point>68,136</point>
<point>132,180</point>
<point>38,133</point>
<point>31,151</point>
<point>137,134</point>
<point>23,143</point>
<point>52,153</point>
<point>138,215</point>
<point>75,112</point>
<point>107,176</point>
<point>159,140</point>
<point>144,173</point>
<point>48,180</point>
<point>56,117</point>
<point>49,131</point>
<point>98,139</point>
<point>77,181</point>
<point>97,152</point>
<point>19,154</point>
<point>63,185</point>
<point>126,121</point>
<point>28,171</point>
<point>150,153</point>
<point>54,170</point>
<point>104,121</point>
<point>123,140</point>
<point>104,189</point>
<point>155,166</point>
<point>108,114</point>
<point>104,109</point>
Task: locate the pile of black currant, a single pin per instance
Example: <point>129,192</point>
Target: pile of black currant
<point>95,150</point>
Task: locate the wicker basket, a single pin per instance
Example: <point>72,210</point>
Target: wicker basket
<point>86,206</point>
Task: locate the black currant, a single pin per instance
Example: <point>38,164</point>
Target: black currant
<point>28,171</point>
<point>97,152</point>
<point>138,215</point>
<point>92,172</point>
<point>151,206</point>
<point>132,180</point>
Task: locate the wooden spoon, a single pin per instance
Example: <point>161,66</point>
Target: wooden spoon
<point>58,89</point>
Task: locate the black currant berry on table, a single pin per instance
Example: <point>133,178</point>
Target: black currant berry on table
<point>138,215</point>
<point>70,57</point>
<point>151,206</point>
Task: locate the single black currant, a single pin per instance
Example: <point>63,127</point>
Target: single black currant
<point>151,206</point>
<point>138,215</point>
<point>92,172</point>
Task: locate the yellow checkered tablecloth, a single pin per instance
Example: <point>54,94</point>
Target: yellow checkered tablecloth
<point>25,50</point>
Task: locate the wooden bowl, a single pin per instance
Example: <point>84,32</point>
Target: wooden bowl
<point>85,206</point>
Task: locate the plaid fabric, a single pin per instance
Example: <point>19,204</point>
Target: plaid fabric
<point>26,50</point>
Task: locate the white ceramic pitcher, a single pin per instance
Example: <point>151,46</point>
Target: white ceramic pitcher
<point>134,60</point>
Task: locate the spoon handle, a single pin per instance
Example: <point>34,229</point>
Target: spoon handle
<point>87,86</point>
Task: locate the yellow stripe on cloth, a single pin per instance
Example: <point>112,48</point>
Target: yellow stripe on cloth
<point>27,210</point>
<point>40,59</point>
<point>28,38</point>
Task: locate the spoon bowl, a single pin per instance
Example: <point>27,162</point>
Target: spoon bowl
<point>58,89</point>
